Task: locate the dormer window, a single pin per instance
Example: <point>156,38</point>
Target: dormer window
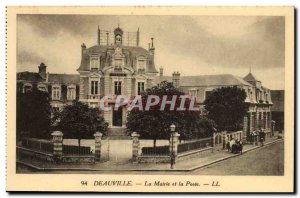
<point>118,64</point>
<point>42,87</point>
<point>94,62</point>
<point>141,64</point>
<point>27,87</point>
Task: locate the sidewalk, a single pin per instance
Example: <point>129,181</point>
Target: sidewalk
<point>205,159</point>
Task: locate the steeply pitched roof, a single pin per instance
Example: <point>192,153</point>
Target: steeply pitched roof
<point>207,80</point>
<point>250,77</point>
<point>134,50</point>
<point>29,76</point>
<point>64,78</point>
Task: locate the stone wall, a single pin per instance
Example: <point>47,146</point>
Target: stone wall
<point>88,159</point>
<point>29,153</point>
<point>154,159</point>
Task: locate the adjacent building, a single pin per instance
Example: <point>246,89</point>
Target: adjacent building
<point>278,109</point>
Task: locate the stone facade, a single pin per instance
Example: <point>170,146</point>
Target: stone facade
<point>117,65</point>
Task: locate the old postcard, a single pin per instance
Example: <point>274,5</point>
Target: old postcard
<point>150,99</point>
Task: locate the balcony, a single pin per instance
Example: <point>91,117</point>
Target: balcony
<point>94,97</point>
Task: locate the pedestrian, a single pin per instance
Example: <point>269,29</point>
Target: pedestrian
<point>261,137</point>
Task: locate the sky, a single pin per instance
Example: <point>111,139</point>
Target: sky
<point>191,45</point>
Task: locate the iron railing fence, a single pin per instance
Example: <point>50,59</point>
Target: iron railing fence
<point>156,151</point>
<point>76,150</point>
<point>194,145</point>
<point>38,144</point>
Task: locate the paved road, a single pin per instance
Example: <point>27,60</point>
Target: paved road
<point>268,160</point>
<point>265,161</point>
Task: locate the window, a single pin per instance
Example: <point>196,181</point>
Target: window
<point>193,92</point>
<point>71,94</point>
<point>27,88</point>
<point>94,62</point>
<point>55,92</point>
<point>141,88</point>
<point>55,109</point>
<point>118,63</point>
<point>207,94</point>
<point>42,87</point>
<point>118,89</point>
<point>141,65</point>
<point>94,87</point>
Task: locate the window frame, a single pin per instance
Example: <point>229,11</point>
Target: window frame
<point>71,87</point>
<point>27,85</point>
<point>138,87</point>
<point>94,59</point>
<point>144,60</point>
<point>56,88</point>
<point>119,84</point>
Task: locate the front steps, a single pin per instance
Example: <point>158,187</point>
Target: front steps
<point>118,134</point>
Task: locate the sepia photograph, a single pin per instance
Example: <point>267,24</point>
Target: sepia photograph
<point>192,95</point>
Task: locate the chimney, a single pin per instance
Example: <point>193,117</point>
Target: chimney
<point>107,41</point>
<point>138,37</point>
<point>161,71</point>
<point>98,36</point>
<point>42,70</point>
<point>151,47</point>
<point>176,79</point>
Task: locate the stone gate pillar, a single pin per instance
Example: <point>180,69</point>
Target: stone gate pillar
<point>224,139</point>
<point>98,137</point>
<point>175,144</point>
<point>57,139</point>
<point>135,146</point>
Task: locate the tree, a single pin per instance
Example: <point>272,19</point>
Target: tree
<point>33,114</point>
<point>79,121</point>
<point>155,124</point>
<point>227,107</point>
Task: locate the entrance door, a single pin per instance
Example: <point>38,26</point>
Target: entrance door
<point>117,117</point>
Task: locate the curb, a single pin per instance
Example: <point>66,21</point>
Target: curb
<point>168,170</point>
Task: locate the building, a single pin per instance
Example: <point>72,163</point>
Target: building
<point>117,65</point>
<point>258,97</point>
<point>278,109</point>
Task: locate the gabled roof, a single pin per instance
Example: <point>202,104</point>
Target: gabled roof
<point>29,76</point>
<point>250,77</point>
<point>206,80</point>
<point>64,78</point>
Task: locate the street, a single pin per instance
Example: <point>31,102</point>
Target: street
<point>265,161</point>
<point>268,160</point>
